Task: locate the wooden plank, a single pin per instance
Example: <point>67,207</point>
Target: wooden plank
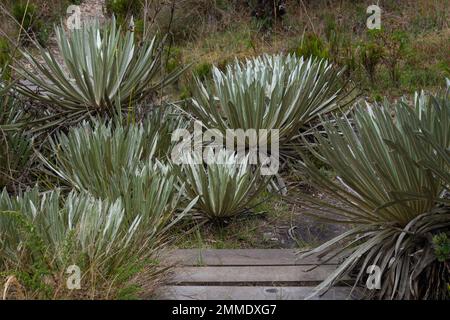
<point>250,274</point>
<point>249,293</point>
<point>242,257</point>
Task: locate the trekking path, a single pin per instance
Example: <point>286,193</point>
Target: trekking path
<point>92,10</point>
<point>250,274</point>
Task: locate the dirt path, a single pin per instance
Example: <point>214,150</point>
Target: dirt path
<point>92,10</point>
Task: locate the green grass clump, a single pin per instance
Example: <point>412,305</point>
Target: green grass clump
<point>123,9</point>
<point>312,45</point>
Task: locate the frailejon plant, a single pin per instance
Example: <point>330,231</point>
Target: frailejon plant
<point>161,123</point>
<point>123,8</point>
<point>269,92</point>
<point>225,186</point>
<point>15,146</point>
<point>103,70</point>
<point>88,156</point>
<point>109,163</point>
<point>27,16</point>
<point>312,45</point>
<point>42,234</point>
<point>434,155</point>
<point>386,192</point>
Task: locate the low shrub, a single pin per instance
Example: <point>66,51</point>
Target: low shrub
<point>32,26</point>
<point>203,70</point>
<point>123,9</point>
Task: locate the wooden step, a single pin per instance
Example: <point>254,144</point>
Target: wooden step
<point>243,257</point>
<point>250,293</point>
<point>251,274</point>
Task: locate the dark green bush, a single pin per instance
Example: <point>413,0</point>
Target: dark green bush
<point>15,147</point>
<point>33,26</point>
<point>442,247</point>
<point>173,58</point>
<point>334,35</point>
<point>4,57</point>
<point>312,45</point>
<point>370,55</point>
<point>123,9</point>
<point>203,70</point>
<point>266,12</point>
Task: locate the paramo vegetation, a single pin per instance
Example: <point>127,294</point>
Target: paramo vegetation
<point>87,116</point>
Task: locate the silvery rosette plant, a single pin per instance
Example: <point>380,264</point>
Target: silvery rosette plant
<point>226,184</point>
<point>103,69</point>
<point>391,165</point>
<point>269,92</point>
<point>15,146</point>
